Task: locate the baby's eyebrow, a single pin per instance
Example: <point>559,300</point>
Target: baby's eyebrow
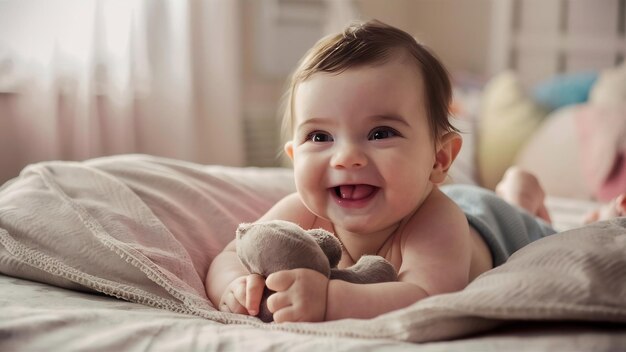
<point>379,118</point>
<point>390,117</point>
<point>315,121</point>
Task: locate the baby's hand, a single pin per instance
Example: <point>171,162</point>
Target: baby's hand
<point>243,295</point>
<point>300,295</point>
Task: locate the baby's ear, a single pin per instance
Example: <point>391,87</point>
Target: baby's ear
<point>289,149</point>
<point>447,150</point>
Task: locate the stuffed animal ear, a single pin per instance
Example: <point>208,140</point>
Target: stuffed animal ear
<point>368,269</point>
<point>329,244</point>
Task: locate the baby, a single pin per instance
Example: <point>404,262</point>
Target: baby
<point>371,144</point>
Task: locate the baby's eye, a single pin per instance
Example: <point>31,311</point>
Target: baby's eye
<point>319,137</point>
<point>382,133</point>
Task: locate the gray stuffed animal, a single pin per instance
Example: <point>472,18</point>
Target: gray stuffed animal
<point>271,246</point>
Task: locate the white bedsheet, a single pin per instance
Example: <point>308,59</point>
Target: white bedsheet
<point>568,213</point>
<point>40,317</point>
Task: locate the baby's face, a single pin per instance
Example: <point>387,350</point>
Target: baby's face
<point>362,149</point>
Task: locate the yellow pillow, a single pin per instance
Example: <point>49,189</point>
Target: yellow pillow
<point>610,88</point>
<point>508,118</point>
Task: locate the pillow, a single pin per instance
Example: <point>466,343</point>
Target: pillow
<point>602,134</point>
<point>563,90</point>
<point>552,153</point>
<point>610,89</point>
<point>585,142</point>
<point>507,120</point>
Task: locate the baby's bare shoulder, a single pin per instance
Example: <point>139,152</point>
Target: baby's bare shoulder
<point>291,208</point>
<point>436,248</point>
<point>438,215</point>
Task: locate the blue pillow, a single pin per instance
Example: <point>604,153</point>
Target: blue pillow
<point>563,90</point>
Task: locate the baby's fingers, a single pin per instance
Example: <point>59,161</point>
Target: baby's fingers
<point>280,280</point>
<point>234,299</point>
<point>278,301</point>
<point>230,304</point>
<point>285,315</point>
<point>254,293</point>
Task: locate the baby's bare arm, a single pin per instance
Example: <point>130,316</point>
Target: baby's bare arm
<point>224,268</point>
<point>227,274</point>
<point>364,301</point>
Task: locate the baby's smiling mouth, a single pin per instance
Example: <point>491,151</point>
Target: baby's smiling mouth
<point>354,192</point>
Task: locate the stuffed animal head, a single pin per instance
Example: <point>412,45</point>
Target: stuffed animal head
<point>267,247</point>
<point>270,246</point>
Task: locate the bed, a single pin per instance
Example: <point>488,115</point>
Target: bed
<point>111,253</point>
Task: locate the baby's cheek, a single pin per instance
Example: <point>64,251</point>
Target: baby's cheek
<point>309,187</point>
<point>304,179</point>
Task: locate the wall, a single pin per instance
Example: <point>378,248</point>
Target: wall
<point>457,30</point>
<point>261,95</point>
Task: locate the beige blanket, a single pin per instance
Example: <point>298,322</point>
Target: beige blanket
<point>144,229</point>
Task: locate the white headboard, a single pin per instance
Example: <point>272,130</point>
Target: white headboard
<point>539,38</point>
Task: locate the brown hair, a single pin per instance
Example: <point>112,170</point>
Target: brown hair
<point>370,43</point>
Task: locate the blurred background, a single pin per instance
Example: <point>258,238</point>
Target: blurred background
<point>202,80</point>
<point>188,79</point>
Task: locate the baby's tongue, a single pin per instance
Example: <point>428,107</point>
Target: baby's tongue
<point>355,191</point>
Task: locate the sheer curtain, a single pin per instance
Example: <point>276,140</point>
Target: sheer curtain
<point>87,78</point>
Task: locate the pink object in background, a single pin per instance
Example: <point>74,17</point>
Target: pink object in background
<point>615,184</point>
<point>602,133</point>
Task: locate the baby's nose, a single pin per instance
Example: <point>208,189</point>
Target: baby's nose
<point>349,155</point>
